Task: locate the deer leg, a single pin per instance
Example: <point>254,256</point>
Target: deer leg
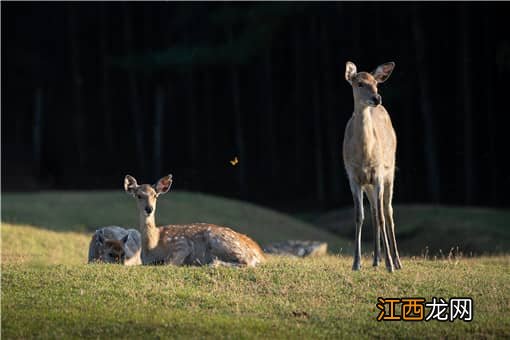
<point>378,197</point>
<point>181,250</point>
<point>390,225</point>
<point>377,241</point>
<point>377,231</point>
<point>217,263</point>
<point>357,195</point>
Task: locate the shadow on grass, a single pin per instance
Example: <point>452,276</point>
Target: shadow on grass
<point>86,211</point>
<point>432,230</point>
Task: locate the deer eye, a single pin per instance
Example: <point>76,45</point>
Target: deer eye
<point>360,84</point>
<point>139,197</point>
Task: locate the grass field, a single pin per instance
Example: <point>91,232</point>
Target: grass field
<point>85,211</point>
<point>49,292</point>
<point>285,298</point>
<point>438,228</point>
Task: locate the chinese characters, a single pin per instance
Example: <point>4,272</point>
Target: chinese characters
<point>414,309</point>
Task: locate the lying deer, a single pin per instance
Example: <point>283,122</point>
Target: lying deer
<point>193,244</point>
<point>116,245</point>
<point>369,156</point>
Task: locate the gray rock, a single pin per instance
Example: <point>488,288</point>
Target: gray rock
<point>297,248</point>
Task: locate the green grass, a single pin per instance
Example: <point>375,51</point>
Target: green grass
<point>30,245</point>
<point>285,298</point>
<point>49,292</point>
<point>438,228</point>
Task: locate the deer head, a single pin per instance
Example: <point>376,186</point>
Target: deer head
<point>146,195</point>
<point>364,84</point>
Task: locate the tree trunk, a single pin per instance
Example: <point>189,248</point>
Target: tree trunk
<point>433,175</point>
<point>331,129</point>
<point>209,115</point>
<point>158,116</point>
<point>134,95</point>
<point>268,132</point>
<point>319,161</point>
<point>408,186</point>
<point>193,128</point>
<point>491,121</point>
<point>467,112</point>
<point>356,32</point>
<point>298,102</point>
<point>77,81</point>
<point>36,130</point>
<point>146,90</point>
<point>239,135</point>
<point>107,107</point>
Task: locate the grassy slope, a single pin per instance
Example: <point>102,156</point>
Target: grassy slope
<point>30,245</point>
<point>84,211</point>
<point>285,298</point>
<point>476,230</point>
<point>48,291</point>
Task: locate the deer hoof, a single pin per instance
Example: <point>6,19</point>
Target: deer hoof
<point>398,265</point>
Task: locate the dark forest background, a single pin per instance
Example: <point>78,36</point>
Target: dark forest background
<point>93,91</point>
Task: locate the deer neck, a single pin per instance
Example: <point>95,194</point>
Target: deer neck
<point>149,231</point>
<point>364,128</point>
<point>361,109</point>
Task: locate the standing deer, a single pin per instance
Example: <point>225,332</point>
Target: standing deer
<point>369,157</point>
<point>193,244</point>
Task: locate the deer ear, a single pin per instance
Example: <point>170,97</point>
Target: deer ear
<point>383,72</point>
<point>130,184</point>
<point>350,71</point>
<point>163,184</point>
